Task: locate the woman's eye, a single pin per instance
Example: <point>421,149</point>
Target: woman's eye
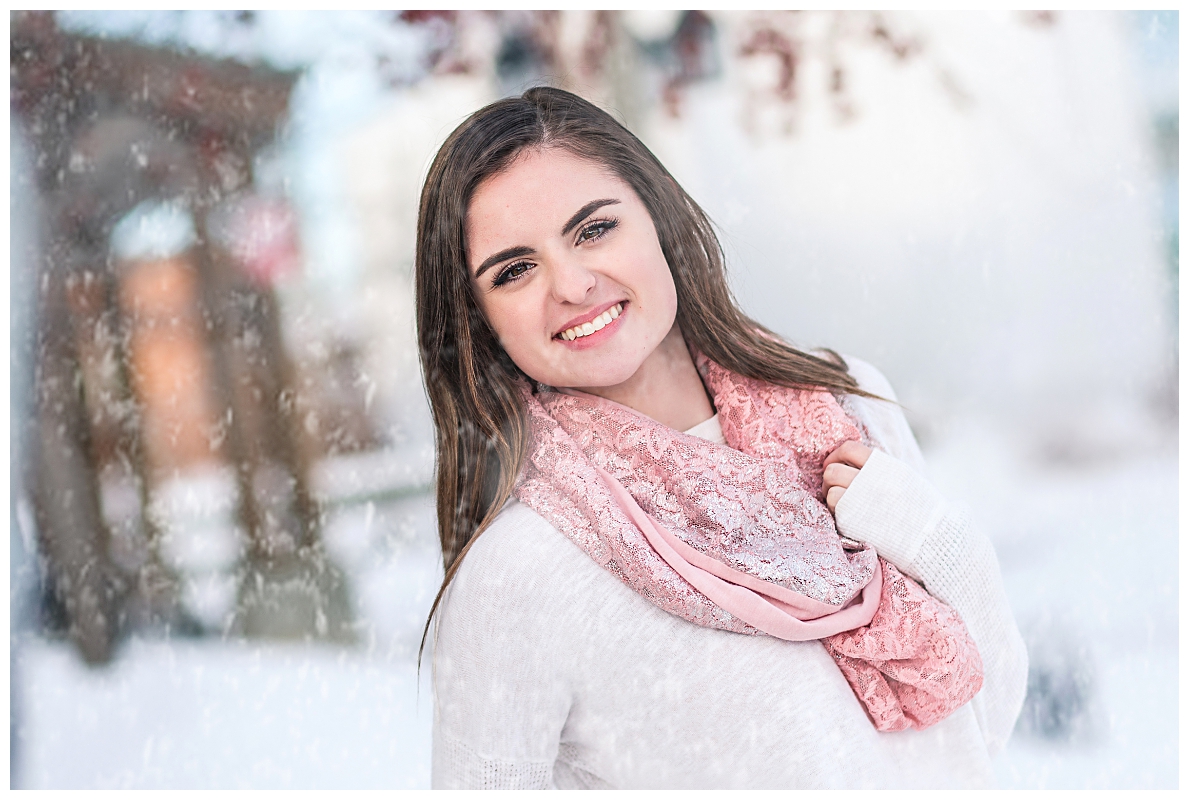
<point>596,229</point>
<point>511,273</point>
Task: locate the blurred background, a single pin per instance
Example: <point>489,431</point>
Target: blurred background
<point>222,531</point>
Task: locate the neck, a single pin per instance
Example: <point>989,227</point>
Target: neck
<point>666,387</point>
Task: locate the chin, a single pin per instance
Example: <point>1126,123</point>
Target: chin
<point>594,377</point>
<point>602,379</point>
<point>590,370</point>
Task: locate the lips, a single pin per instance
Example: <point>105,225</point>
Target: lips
<point>591,323</point>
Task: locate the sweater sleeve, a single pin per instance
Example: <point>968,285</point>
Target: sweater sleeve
<point>499,702</point>
<point>891,506</point>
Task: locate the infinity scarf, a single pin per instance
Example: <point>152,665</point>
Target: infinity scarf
<point>738,537</point>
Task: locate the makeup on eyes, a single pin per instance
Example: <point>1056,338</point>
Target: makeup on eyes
<point>509,274</point>
<point>604,226</point>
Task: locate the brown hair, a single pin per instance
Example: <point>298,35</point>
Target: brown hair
<point>472,382</point>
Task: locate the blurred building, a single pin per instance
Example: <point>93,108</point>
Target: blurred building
<point>159,350</point>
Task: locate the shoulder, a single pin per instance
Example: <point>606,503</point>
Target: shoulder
<point>504,583</point>
<point>516,526</point>
<point>512,550</point>
<point>520,569</point>
<point>869,378</point>
<point>884,419</point>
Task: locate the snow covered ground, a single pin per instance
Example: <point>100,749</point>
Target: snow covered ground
<point>212,713</point>
<point>218,715</point>
<point>1088,552</point>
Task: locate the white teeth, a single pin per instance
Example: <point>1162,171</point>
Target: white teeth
<point>596,324</point>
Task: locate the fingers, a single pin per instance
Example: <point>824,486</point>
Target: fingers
<point>853,453</point>
<point>841,467</point>
<point>838,475</point>
<point>833,496</point>
<point>835,479</point>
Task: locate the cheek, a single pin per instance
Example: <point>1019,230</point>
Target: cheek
<point>517,326</point>
<point>670,292</point>
<point>663,290</point>
<point>509,326</point>
<point>500,318</point>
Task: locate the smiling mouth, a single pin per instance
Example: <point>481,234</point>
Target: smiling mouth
<point>594,325</point>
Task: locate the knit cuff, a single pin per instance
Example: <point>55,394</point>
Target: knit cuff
<point>890,507</point>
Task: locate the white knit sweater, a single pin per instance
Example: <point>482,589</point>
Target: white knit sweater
<point>549,672</point>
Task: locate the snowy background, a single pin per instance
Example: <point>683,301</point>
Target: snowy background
<point>983,205</point>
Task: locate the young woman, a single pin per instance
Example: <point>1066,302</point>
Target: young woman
<point>679,552</point>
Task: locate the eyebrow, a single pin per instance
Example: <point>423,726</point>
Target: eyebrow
<point>585,212</point>
<point>521,250</point>
<point>503,255</point>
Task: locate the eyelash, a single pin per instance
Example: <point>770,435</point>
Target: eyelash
<point>506,277</point>
<point>602,226</point>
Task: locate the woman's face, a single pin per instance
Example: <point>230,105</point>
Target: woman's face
<point>568,270</point>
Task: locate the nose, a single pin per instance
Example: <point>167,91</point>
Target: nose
<point>572,282</point>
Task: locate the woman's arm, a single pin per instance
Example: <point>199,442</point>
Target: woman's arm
<point>499,700</point>
<point>890,505</point>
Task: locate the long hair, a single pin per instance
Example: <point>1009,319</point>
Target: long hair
<point>480,422</point>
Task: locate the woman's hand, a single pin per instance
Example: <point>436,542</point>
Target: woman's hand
<point>841,468</point>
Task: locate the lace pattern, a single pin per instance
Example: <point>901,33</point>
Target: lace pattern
<point>755,506</point>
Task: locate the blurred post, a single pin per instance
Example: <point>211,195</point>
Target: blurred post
<point>74,536</point>
<point>24,246</point>
<point>290,588</point>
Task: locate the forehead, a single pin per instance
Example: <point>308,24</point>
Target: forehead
<point>540,188</point>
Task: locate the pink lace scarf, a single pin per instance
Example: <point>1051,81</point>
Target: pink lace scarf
<point>738,538</point>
